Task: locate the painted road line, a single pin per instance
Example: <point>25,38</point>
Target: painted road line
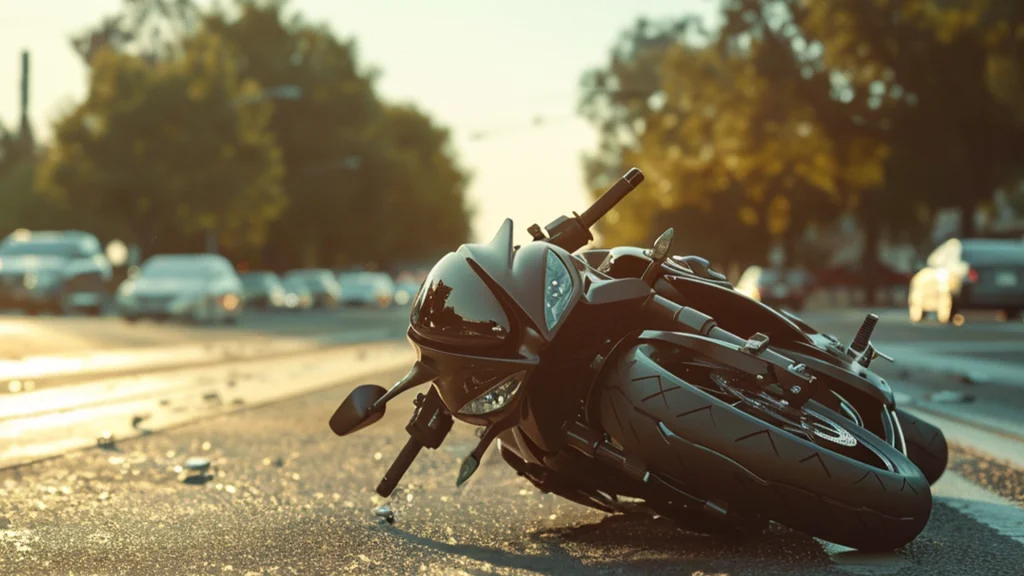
<point>1005,446</point>
<point>56,365</point>
<point>953,490</point>
<point>981,505</point>
<point>111,390</point>
<point>185,397</point>
<point>95,363</point>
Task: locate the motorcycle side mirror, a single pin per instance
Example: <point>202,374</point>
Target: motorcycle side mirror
<point>659,253</point>
<point>358,411</point>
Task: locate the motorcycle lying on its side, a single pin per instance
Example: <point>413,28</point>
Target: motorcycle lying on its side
<point>605,378</point>
<point>849,387</point>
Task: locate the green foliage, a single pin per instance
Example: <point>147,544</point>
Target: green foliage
<point>364,180</point>
<point>796,110</point>
<point>163,152</point>
<point>192,124</point>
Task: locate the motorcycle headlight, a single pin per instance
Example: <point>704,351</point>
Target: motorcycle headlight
<point>557,289</point>
<point>496,398</point>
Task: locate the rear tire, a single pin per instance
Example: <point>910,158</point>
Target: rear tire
<point>727,453</point>
<point>926,445</point>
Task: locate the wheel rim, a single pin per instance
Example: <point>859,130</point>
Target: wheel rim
<point>805,422</point>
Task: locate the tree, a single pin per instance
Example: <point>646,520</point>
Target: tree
<point>356,169</point>
<point>151,29</point>
<point>732,161</point>
<point>162,153</point>
<point>925,83</point>
<point>427,201</point>
<point>347,178</point>
<point>941,79</point>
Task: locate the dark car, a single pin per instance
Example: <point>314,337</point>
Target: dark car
<point>263,290</point>
<point>53,271</point>
<point>322,283</point>
<point>969,274</point>
<point>776,287</point>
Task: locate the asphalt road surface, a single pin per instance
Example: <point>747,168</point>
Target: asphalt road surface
<point>288,497</point>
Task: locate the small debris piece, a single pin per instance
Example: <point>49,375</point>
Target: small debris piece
<point>105,440</point>
<point>385,513</point>
<point>197,464</point>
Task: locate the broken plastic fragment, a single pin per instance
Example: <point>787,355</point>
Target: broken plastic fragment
<point>385,513</point>
<point>197,464</point>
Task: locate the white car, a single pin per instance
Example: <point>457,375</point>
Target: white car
<point>366,288</point>
<point>195,287</point>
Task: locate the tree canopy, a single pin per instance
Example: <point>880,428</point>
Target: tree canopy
<point>258,127</point>
<point>795,111</point>
<point>164,152</point>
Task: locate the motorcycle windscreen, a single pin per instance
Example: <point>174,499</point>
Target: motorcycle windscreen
<point>456,307</point>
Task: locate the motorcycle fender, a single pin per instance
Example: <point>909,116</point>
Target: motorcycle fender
<point>735,312</point>
<point>865,381</point>
<point>716,350</point>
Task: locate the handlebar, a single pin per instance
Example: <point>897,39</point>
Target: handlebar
<point>612,196</point>
<point>574,233</point>
<point>398,467</point>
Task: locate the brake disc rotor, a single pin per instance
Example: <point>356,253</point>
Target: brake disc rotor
<point>811,423</point>
<point>828,430</point>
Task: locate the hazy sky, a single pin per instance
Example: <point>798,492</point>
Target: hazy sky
<point>472,64</point>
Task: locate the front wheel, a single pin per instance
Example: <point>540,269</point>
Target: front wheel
<point>810,469</point>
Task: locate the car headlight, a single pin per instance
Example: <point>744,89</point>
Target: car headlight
<point>41,279</point>
<point>126,289</point>
<point>496,398</point>
<point>557,289</point>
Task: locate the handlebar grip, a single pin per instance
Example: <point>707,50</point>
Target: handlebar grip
<point>612,196</point>
<point>398,468</point>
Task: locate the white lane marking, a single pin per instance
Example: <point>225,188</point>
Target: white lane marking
<point>17,328</point>
<point>955,491</point>
<point>981,505</point>
<point>190,395</point>
<point>996,446</point>
<point>57,365</point>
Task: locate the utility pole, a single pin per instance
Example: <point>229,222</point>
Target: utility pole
<point>25,132</point>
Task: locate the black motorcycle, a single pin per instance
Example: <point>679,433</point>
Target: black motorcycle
<point>625,380</point>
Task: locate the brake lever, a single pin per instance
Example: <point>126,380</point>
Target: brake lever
<point>877,354</point>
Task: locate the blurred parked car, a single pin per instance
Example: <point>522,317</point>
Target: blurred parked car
<point>366,288</point>
<point>776,287</point>
<point>322,283</point>
<point>263,290</point>
<point>297,295</point>
<point>57,272</point>
<point>195,287</point>
<point>407,284</point>
<point>981,273</point>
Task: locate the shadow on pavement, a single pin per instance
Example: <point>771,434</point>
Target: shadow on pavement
<point>637,543</point>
